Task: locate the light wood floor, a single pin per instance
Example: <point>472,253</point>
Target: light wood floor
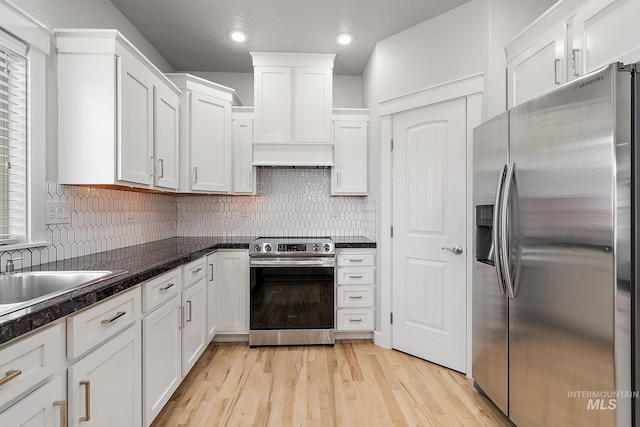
<point>354,383</point>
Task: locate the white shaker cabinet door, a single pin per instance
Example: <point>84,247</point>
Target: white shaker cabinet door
<point>104,387</point>
<point>244,173</point>
<point>349,176</point>
<point>211,144</point>
<point>604,32</point>
<point>233,291</point>
<point>46,407</point>
<point>273,101</point>
<point>194,325</point>
<point>166,134</point>
<point>135,144</point>
<point>161,357</point>
<point>538,69</point>
<point>313,104</point>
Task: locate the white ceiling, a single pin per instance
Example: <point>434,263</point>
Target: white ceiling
<point>192,35</point>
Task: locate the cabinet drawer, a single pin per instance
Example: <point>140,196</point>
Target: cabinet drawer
<point>354,296</point>
<point>30,361</point>
<point>355,319</point>
<point>355,276</point>
<point>160,289</point>
<point>355,258</point>
<point>90,327</point>
<point>193,272</point>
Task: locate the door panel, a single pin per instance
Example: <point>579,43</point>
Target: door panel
<point>429,210</point>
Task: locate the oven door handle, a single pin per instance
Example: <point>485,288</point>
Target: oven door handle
<point>292,262</point>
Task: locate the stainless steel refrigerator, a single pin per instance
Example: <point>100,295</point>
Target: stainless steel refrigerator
<point>554,288</point>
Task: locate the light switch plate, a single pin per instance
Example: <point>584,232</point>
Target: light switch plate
<point>58,213</point>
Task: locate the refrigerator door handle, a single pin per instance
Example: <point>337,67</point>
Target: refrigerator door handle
<point>504,221</point>
<point>495,232</point>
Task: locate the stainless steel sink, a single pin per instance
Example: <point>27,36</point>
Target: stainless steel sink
<point>18,290</point>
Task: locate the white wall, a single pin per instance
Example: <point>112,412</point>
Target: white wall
<point>463,42</point>
<point>91,14</point>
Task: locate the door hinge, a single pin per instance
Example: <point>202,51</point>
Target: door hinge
<point>391,318</point>
<point>391,144</point>
<point>392,231</point>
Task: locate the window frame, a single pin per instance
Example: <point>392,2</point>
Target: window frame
<point>38,38</point>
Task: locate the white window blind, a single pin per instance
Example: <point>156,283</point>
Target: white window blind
<point>13,140</point>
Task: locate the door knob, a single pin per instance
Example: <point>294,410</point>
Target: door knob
<point>457,250</point>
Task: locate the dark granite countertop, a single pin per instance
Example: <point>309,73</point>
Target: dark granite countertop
<point>141,262</point>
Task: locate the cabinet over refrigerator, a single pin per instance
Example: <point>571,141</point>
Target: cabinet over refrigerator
<point>555,256</point>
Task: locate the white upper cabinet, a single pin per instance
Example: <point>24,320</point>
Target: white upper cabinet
<point>205,135</point>
<point>349,175</point>
<point>244,173</point>
<point>117,113</point>
<point>272,102</point>
<point>539,68</point>
<point>604,32</point>
<point>572,38</point>
<point>293,99</point>
<point>166,138</point>
<point>313,90</point>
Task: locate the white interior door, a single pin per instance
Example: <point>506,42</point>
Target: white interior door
<point>429,215</point>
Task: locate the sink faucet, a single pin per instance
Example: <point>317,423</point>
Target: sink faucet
<point>9,268</point>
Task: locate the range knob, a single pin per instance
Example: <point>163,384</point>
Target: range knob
<point>267,247</point>
<point>256,248</point>
<point>316,247</point>
<point>326,247</point>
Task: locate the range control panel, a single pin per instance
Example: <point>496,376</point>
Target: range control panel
<point>267,246</point>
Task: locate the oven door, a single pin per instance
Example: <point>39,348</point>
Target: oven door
<point>291,301</point>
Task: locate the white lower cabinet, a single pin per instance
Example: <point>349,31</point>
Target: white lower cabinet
<point>45,407</point>
<point>161,357</point>
<point>194,324</point>
<point>104,387</point>
<point>212,296</point>
<point>232,274</point>
<point>355,289</point>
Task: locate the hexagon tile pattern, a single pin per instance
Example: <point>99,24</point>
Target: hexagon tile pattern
<point>290,202</point>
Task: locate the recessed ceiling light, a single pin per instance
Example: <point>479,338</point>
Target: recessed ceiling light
<point>344,39</point>
<point>238,36</point>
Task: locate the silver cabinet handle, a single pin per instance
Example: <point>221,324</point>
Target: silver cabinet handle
<point>151,166</point>
<point>195,174</point>
<point>161,167</point>
<point>351,276</point>
<point>87,400</point>
<point>113,319</point>
<point>574,62</point>
<point>556,74</point>
<point>355,260</point>
<point>457,250</point>
<point>10,375</point>
<point>355,320</point>
<point>356,297</point>
<point>188,311</point>
<point>62,404</point>
<point>211,271</point>
<point>169,286</point>
<point>196,271</point>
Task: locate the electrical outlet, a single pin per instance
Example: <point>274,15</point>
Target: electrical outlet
<point>58,213</point>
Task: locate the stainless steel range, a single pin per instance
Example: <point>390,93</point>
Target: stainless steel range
<point>292,291</point>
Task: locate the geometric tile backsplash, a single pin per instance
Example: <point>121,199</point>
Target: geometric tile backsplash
<point>290,202</point>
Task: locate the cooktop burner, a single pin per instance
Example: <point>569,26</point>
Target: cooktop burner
<point>292,246</point>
